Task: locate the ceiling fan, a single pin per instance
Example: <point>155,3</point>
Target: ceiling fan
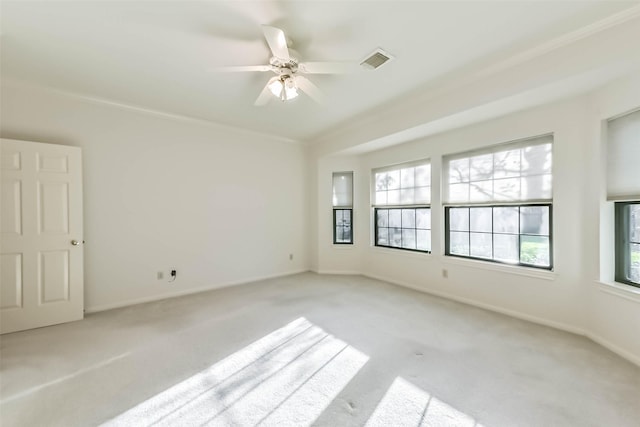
<point>285,64</point>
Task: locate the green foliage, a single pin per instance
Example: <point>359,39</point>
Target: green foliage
<point>533,253</point>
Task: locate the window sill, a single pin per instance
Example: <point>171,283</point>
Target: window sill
<point>503,268</point>
<point>620,290</point>
<point>343,246</point>
<point>401,252</point>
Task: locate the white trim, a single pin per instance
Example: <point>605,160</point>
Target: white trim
<point>624,113</point>
<point>614,348</point>
<point>343,246</point>
<point>564,40</point>
<point>558,325</point>
<point>631,357</point>
<point>620,290</point>
<point>402,252</point>
<point>174,294</point>
<point>623,198</point>
<point>503,268</point>
<point>491,204</point>
<point>338,272</point>
<point>153,112</point>
<point>534,319</point>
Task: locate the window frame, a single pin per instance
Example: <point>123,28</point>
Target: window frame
<point>399,205</point>
<point>388,208</point>
<point>500,200</point>
<point>447,238</point>
<point>336,206</point>
<point>622,245</point>
<point>335,225</point>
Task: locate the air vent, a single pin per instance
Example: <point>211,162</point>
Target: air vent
<point>376,59</point>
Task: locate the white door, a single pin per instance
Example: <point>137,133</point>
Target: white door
<point>41,226</point>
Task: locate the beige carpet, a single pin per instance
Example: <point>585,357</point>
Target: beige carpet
<point>311,350</point>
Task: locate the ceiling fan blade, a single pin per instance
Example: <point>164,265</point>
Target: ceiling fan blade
<point>266,94</point>
<point>277,42</point>
<point>328,67</point>
<point>305,85</point>
<point>242,68</point>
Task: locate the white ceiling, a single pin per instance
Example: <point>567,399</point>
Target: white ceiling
<point>158,55</point>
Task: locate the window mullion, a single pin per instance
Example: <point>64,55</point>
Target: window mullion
<point>519,236</point>
<point>493,250</point>
<point>469,228</point>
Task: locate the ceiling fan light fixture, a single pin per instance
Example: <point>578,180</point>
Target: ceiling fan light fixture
<point>276,87</point>
<point>284,88</point>
<point>290,93</point>
<point>286,65</point>
<point>290,89</point>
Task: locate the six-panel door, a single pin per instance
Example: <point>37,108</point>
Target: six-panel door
<point>41,271</point>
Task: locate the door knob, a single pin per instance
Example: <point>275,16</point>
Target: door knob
<point>75,242</point>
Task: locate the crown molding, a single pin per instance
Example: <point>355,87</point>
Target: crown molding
<point>150,111</point>
<point>565,40</point>
<point>469,77</point>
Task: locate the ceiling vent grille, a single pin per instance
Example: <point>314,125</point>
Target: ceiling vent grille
<point>376,59</point>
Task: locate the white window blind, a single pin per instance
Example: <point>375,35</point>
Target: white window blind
<point>402,185</point>
<point>513,172</point>
<point>623,157</point>
<point>343,189</point>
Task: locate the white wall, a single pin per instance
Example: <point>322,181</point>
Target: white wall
<point>614,308</point>
<point>219,205</point>
<point>224,206</point>
<point>338,259</point>
<point>564,67</point>
<point>571,297</point>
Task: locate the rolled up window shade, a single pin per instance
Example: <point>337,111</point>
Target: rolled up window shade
<point>402,185</point>
<point>623,157</point>
<point>343,189</point>
<point>519,171</point>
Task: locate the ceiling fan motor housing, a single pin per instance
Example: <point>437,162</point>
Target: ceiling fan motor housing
<point>284,67</point>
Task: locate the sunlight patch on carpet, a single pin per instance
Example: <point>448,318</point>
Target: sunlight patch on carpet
<point>404,404</point>
<point>288,377</point>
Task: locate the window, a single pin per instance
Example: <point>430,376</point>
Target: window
<point>509,234</point>
<point>628,242</point>
<point>623,157</point>
<point>343,208</point>
<point>623,187</point>
<point>342,226</point>
<point>498,203</point>
<point>402,216</point>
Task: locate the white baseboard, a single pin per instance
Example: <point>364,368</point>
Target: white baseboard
<point>190,291</point>
<point>501,310</point>
<point>631,357</point>
<point>614,348</point>
<point>338,272</point>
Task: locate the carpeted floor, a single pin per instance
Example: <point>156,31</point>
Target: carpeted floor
<point>311,350</point>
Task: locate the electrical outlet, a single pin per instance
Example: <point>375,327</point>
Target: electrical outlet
<point>445,273</point>
<point>160,275</point>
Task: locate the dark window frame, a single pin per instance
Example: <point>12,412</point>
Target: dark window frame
<point>388,208</point>
<point>335,226</point>
<point>622,243</point>
<point>447,237</point>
